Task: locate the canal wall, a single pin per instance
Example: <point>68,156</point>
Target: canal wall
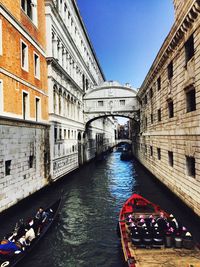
<point>25,157</point>
<point>24,160</point>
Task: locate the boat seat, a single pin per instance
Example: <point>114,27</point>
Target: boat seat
<point>158,239</point>
<point>188,243</point>
<point>147,238</point>
<point>178,241</point>
<point>136,239</point>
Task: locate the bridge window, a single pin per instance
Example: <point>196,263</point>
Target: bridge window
<point>122,102</point>
<point>191,100</point>
<point>171,109</point>
<point>189,48</point>
<point>100,103</point>
<point>159,114</point>
<point>170,70</point>
<point>171,158</point>
<point>159,83</point>
<point>190,164</point>
<point>159,153</point>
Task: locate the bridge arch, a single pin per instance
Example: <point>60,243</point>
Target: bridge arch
<point>111,99</point>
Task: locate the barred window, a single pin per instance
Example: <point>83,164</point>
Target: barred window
<point>170,70</point>
<point>190,100</point>
<point>159,153</point>
<point>190,165</point>
<point>189,48</point>
<point>171,158</point>
<point>171,109</point>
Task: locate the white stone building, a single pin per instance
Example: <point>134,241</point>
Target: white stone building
<point>72,70</point>
<point>168,143</point>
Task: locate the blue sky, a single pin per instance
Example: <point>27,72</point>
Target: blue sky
<point>127,34</point>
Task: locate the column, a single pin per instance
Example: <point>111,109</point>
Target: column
<point>57,103</point>
<point>55,46</point>
<point>60,48</point>
<point>67,62</point>
<point>64,59</point>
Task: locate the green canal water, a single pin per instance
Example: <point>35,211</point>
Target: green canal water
<point>85,232</point>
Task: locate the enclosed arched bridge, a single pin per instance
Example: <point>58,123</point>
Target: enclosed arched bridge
<point>111,99</point>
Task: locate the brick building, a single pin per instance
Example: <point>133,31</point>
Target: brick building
<point>168,143</point>
<point>23,100</point>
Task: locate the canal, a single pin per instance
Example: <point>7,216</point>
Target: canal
<point>85,232</point>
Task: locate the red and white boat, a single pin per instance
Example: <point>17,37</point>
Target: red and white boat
<point>150,237</point>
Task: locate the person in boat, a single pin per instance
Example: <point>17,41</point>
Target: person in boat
<point>9,248</point>
<point>40,219</point>
<point>30,232</point>
<point>41,215</point>
<point>18,231</point>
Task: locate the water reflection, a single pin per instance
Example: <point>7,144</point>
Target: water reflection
<point>85,233</point>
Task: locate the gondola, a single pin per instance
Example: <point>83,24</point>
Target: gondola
<point>151,237</point>
<point>15,259</point>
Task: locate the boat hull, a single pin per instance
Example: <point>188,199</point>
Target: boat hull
<point>143,241</point>
<point>14,260</point>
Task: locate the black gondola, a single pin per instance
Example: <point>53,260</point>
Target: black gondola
<point>15,259</point>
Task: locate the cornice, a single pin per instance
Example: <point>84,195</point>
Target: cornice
<point>54,62</point>
<point>180,27</point>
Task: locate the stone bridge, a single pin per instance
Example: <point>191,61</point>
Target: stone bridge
<point>111,99</point>
<point>118,141</point>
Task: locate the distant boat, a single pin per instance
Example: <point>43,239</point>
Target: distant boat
<point>126,155</point>
<point>11,260</point>
<point>152,237</point>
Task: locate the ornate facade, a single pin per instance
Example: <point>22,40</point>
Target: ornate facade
<point>24,141</point>
<point>168,141</point>
<point>73,69</point>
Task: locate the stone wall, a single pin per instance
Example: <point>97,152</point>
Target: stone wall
<point>24,160</point>
<point>168,143</point>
